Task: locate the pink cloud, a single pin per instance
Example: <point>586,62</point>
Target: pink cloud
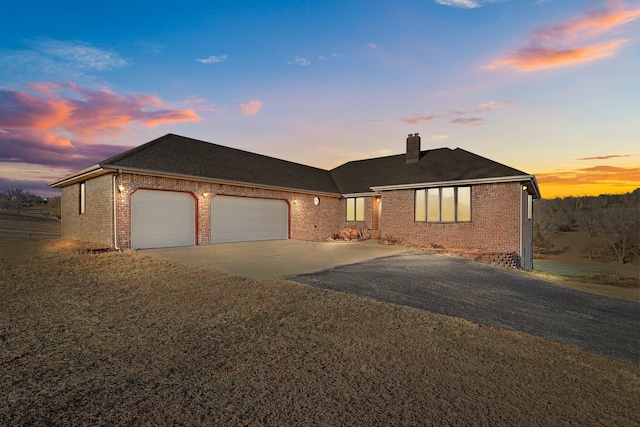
<point>471,121</point>
<point>591,24</point>
<point>557,45</point>
<point>34,147</point>
<point>538,58</point>
<point>251,107</point>
<point>416,119</point>
<point>612,156</point>
<point>603,174</point>
<point>59,125</point>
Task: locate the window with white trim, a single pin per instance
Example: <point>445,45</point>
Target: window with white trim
<point>444,204</point>
<point>355,208</point>
<point>83,197</point>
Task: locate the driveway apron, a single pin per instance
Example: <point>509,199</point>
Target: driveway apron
<point>500,298</point>
<point>275,259</point>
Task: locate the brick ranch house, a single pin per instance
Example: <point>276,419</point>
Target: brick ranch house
<point>178,191</point>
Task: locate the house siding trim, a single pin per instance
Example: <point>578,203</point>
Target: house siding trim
<point>458,183</point>
<point>83,175</point>
<point>368,194</point>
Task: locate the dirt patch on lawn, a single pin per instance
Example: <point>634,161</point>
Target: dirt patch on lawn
<point>120,338</point>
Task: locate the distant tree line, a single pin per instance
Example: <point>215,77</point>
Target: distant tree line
<point>17,200</point>
<point>612,220</point>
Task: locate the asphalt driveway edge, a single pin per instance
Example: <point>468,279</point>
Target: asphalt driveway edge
<point>500,298</point>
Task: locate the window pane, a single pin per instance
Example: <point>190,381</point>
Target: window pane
<point>359,208</point>
<point>464,204</point>
<point>433,205</point>
<point>448,206</point>
<point>421,205</point>
<point>83,197</point>
<point>351,209</point>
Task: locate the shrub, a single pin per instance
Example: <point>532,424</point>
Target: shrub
<point>388,239</point>
<point>353,233</point>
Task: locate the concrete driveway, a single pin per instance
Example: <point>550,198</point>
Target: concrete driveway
<point>275,259</point>
<point>503,299</point>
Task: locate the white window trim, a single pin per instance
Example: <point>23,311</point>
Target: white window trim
<point>358,214</point>
<point>455,205</point>
<point>83,198</point>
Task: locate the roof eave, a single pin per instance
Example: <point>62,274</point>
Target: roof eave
<point>162,174</point>
<point>536,188</point>
<point>493,180</point>
<point>363,194</point>
<point>81,175</point>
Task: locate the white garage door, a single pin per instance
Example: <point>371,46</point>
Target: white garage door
<point>162,219</point>
<point>243,219</point>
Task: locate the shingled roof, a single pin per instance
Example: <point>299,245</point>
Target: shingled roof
<point>434,166</point>
<point>187,157</point>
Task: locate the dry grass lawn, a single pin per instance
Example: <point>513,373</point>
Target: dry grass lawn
<point>120,338</point>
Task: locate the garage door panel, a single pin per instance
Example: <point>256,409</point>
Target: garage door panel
<point>244,219</point>
<point>162,219</point>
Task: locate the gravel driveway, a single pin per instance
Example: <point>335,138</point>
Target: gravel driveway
<point>503,299</point>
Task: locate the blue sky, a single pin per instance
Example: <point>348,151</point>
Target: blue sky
<point>550,87</point>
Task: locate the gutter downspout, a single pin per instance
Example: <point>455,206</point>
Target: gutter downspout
<point>115,214</point>
<point>522,207</point>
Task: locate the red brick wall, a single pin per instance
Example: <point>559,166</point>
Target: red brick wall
<point>368,215</point>
<point>307,221</point>
<point>95,225</point>
<point>494,226</point>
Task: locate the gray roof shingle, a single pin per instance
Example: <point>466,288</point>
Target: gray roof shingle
<point>186,156</point>
<point>439,165</point>
<point>176,154</point>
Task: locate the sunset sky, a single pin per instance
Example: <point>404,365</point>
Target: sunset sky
<point>550,87</point>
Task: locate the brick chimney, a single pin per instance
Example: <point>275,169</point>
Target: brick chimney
<point>413,148</point>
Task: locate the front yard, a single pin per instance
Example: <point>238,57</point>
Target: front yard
<point>120,338</point>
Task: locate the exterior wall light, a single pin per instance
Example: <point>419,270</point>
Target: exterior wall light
<point>121,188</point>
<point>205,194</point>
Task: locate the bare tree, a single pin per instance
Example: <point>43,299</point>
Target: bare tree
<point>587,211</point>
<point>53,207</point>
<point>612,217</point>
<point>17,198</point>
<point>618,226</point>
<point>545,226</point>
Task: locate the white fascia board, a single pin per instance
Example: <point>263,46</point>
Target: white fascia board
<point>147,172</point>
<point>517,178</point>
<point>369,194</point>
<point>81,175</point>
<point>536,188</point>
